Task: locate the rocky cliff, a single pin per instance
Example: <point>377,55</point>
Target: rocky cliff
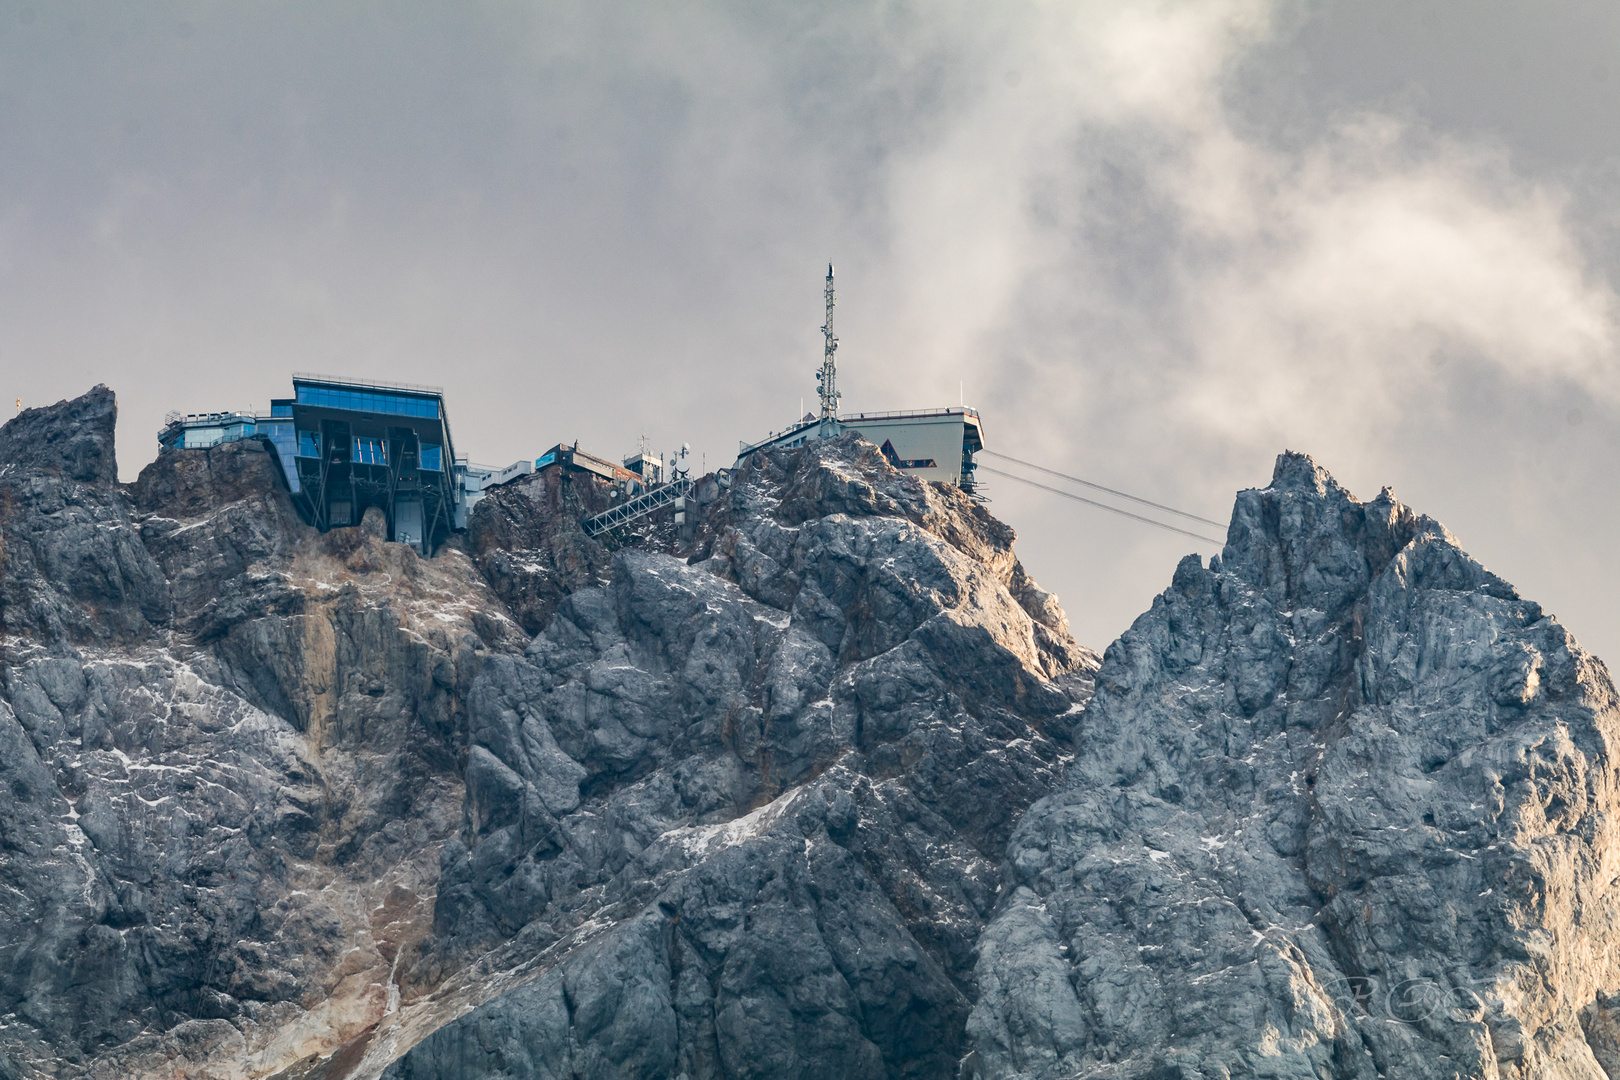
<point>742,814</point>
<point>288,803</point>
<point>231,750</point>
<point>1344,804</point>
<point>818,787</point>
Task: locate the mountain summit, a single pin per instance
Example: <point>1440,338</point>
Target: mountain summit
<point>820,786</point>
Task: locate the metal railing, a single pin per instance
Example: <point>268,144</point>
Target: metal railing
<point>903,414</point>
<point>365,384</point>
<point>639,507</point>
<point>223,417</point>
<point>746,448</point>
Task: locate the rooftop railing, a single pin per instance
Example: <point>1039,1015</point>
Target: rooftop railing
<point>905,414</point>
<point>214,417</point>
<point>365,384</point>
<point>853,418</point>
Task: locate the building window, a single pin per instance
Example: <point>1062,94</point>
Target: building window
<point>368,401</point>
<point>309,444</point>
<point>284,439</point>
<point>370,451</point>
<point>432,457</point>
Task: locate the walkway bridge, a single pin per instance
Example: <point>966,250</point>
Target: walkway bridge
<point>639,507</point>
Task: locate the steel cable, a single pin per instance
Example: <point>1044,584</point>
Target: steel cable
<point>1099,487</point>
<point>1104,506</point>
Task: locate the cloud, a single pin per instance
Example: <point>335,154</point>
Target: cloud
<point>1146,285</point>
<point>1342,284</point>
<point>1321,287</point>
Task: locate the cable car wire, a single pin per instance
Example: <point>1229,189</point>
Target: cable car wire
<point>1109,490</point>
<point>1103,506</point>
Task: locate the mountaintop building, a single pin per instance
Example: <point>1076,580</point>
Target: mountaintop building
<point>374,444</point>
<point>931,444</point>
<point>345,446</point>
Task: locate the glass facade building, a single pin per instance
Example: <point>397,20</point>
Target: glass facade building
<point>345,446</point>
<point>198,431</point>
<point>369,401</point>
<point>361,445</point>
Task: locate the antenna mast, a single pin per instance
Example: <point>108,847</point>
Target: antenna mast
<point>828,375</point>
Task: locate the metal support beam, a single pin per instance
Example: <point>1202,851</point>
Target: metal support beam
<point>827,377</point>
<point>638,507</point>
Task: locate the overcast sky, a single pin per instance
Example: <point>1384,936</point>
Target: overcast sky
<point>1155,244</point>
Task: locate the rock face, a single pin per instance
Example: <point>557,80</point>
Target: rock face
<point>1343,805</point>
<point>279,802</point>
<point>72,568</point>
<point>527,540</point>
<point>743,814</point>
<point>814,786</point>
<point>230,749</point>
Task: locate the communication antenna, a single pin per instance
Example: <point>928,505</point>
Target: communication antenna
<point>828,375</point>
<point>678,469</point>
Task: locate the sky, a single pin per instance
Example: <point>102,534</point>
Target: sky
<point>1155,244</point>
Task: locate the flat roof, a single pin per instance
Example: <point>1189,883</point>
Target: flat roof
<point>309,377</point>
<point>855,420</point>
<point>906,414</point>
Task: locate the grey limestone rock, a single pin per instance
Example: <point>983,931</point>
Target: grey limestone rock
<point>231,750</point>
<point>72,440</point>
<point>750,805</point>
<point>816,785</point>
<point>72,566</point>
<point>526,538</point>
<point>1342,806</point>
<point>287,803</point>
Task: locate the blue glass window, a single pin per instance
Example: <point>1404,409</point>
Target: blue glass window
<point>370,451</point>
<point>281,408</point>
<point>281,435</point>
<point>309,444</point>
<point>432,457</point>
<point>372,401</point>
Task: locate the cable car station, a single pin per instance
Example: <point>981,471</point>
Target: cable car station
<point>347,445</point>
